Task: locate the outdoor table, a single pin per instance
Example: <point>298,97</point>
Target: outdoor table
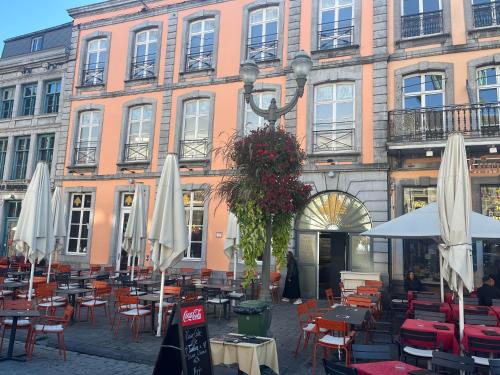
<point>14,286</point>
<point>471,309</point>
<point>81,279</point>
<point>443,307</point>
<point>15,315</point>
<point>351,315</point>
<point>496,310</point>
<point>71,293</point>
<point>148,283</point>
<point>384,367</point>
<point>445,338</point>
<point>478,332</point>
<point>249,356</point>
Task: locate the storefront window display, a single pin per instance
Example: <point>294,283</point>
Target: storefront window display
<point>490,206</point>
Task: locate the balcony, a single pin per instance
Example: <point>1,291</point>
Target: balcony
<point>93,74</point>
<point>143,66</point>
<point>435,124</point>
<point>85,153</point>
<point>263,47</point>
<point>486,15</point>
<point>194,149</point>
<point>335,35</point>
<point>199,60</point>
<point>136,152</point>
<point>338,138</point>
<point>422,24</point>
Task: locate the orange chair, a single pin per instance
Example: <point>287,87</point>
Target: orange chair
<point>368,290</point>
<point>47,300</point>
<point>345,292</point>
<point>51,324</point>
<point>331,299</point>
<point>375,283</point>
<point>134,314</point>
<point>100,299</point>
<point>314,311</point>
<point>274,288</point>
<point>306,326</point>
<point>172,293</point>
<point>363,302</point>
<point>205,275</point>
<point>18,304</point>
<point>338,338</point>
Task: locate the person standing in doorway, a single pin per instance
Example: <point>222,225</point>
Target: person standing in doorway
<point>292,287</point>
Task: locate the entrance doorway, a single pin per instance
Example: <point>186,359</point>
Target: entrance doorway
<point>11,215</point>
<point>126,200</point>
<point>332,259</point>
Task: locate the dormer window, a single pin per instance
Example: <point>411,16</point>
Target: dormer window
<point>36,43</point>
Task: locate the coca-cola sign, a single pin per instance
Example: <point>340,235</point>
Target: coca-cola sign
<point>191,315</point>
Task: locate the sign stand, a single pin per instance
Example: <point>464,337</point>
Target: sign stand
<point>185,349</point>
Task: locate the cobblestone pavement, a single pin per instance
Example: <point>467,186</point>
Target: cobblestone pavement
<point>93,349</point>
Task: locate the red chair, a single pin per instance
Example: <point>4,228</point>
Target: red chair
<point>274,288</point>
<point>338,338</point>
<point>100,299</point>
<point>306,326</point>
<point>18,304</point>
<point>47,300</point>
<point>374,283</point>
<point>331,299</point>
<point>133,315</point>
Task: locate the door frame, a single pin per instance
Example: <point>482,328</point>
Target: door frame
<point>121,219</point>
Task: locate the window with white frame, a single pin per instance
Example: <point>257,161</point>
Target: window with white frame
<point>145,50</point>
<point>421,17</point>
<point>79,223</point>
<point>6,102</point>
<point>140,120</point>
<point>95,62</point>
<point>488,92</point>
<point>485,13</point>
<point>334,118</point>
<point>336,23</point>
<point>263,34</point>
<point>36,43</point>
<point>200,45</point>
<point>89,128</point>
<point>194,210</point>
<point>252,121</point>
<point>194,143</point>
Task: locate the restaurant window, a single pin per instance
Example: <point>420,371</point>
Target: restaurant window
<point>194,202</point>
<point>89,128</point>
<point>52,94</point>
<point>139,133</point>
<point>420,256</point>
<point>490,206</point>
<point>45,148</point>
<point>421,18</point>
<point>485,13</point>
<point>263,34</point>
<point>29,99</point>
<point>79,222</point>
<point>6,102</point>
<point>3,154</point>
<point>334,120</point>
<point>336,27</point>
<point>252,121</point>
<point>145,51</point>
<point>95,62</point>
<point>200,45</point>
<point>20,162</point>
<point>36,43</point>
<point>194,143</point>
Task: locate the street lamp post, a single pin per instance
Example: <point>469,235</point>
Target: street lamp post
<point>249,71</point>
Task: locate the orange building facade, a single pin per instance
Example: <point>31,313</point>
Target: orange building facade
<point>443,76</point>
<point>163,76</point>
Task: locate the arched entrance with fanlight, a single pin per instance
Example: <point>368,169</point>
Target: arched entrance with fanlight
<point>328,241</point>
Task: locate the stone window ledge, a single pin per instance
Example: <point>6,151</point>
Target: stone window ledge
<point>136,164</point>
<point>422,40</point>
<point>335,52</point>
<point>197,73</point>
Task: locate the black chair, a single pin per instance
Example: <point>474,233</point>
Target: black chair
<point>495,302</point>
<point>430,316</point>
<point>480,349</point>
<point>483,320</point>
<point>214,296</point>
<point>442,360</point>
<point>407,339</point>
<point>495,366</point>
<point>432,308</point>
<point>381,332</point>
<point>367,353</point>
<point>63,280</point>
<point>470,301</point>
<point>428,297</point>
<point>480,310</point>
<point>334,369</point>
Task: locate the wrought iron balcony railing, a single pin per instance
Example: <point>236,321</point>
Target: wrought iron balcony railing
<point>194,149</point>
<point>428,124</point>
<point>136,151</point>
<point>422,24</point>
<point>487,14</point>
<point>85,153</point>
<point>335,34</point>
<point>199,60</point>
<point>143,66</point>
<point>263,47</point>
<point>93,74</point>
<point>339,138</point>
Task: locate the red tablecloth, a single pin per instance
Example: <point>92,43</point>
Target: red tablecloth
<point>443,307</point>
<point>445,338</point>
<point>477,331</point>
<point>496,310</point>
<point>385,368</point>
<point>454,308</point>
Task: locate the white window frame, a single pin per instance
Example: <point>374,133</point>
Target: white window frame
<point>142,122</point>
<point>420,7</point>
<point>190,209</point>
<point>204,30</point>
<point>423,92</point>
<point>335,122</point>
<point>264,22</point>
<point>489,115</point>
<point>258,97</point>
<point>336,7</point>
<point>148,62</point>
<point>94,126</point>
<point>36,43</point>
<point>486,85</point>
<point>101,59</point>
<point>124,210</point>
<point>197,116</point>
<point>82,209</point>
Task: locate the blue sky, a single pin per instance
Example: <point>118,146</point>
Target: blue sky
<point>25,16</point>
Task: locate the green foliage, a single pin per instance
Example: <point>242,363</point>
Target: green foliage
<point>282,227</point>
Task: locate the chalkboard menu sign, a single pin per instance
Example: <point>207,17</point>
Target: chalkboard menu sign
<point>186,347</point>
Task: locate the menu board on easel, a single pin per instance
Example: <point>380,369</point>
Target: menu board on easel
<point>186,347</point>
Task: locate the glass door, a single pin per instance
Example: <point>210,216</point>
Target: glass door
<point>126,200</point>
<point>12,211</point>
<point>307,259</point>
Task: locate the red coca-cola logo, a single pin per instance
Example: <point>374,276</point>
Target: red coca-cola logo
<point>192,315</point>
